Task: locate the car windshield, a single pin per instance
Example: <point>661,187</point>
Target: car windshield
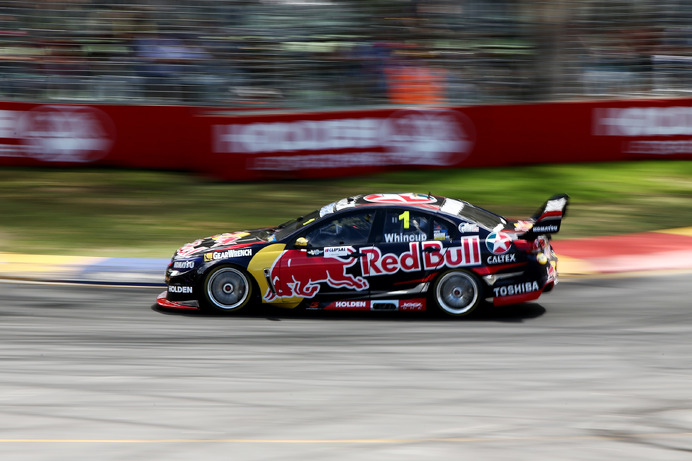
<point>293,225</point>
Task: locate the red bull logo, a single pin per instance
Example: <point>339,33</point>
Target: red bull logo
<point>426,256</point>
<point>295,274</point>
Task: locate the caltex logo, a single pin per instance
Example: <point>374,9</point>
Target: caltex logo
<point>498,243</point>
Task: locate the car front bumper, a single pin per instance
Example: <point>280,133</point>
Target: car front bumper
<point>163,301</point>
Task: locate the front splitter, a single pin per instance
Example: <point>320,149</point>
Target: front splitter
<point>163,302</point>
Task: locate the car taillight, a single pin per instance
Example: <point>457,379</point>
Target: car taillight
<point>533,246</point>
<point>540,243</point>
<point>523,245</point>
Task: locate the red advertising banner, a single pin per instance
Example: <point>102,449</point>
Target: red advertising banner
<point>242,146</point>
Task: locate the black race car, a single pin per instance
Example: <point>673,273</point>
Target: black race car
<point>376,252</point>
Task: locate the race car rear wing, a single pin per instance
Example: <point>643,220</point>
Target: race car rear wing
<point>548,218</point>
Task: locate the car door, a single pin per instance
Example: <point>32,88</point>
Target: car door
<point>407,247</point>
<point>324,262</point>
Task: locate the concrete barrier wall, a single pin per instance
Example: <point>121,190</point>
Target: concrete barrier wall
<point>243,146</point>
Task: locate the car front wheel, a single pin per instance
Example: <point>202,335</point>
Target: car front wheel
<point>227,289</point>
<point>457,293</point>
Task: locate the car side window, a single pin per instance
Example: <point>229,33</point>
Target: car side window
<point>352,229</point>
<point>442,231</point>
<point>405,226</point>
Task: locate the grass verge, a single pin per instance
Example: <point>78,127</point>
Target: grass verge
<point>107,212</point>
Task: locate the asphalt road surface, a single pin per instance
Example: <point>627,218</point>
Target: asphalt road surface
<point>600,369</point>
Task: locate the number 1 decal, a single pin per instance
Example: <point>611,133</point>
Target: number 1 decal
<point>405,216</point>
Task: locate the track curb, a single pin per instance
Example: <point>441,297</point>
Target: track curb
<point>669,249</point>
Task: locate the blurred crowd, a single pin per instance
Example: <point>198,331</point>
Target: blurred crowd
<point>321,53</point>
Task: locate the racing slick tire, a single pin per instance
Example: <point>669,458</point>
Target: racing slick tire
<point>457,293</point>
<point>226,289</point>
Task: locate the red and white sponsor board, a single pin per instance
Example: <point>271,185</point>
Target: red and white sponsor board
<point>243,146</point>
<point>156,137</point>
<point>341,143</point>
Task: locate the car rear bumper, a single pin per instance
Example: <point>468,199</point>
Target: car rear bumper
<point>529,286</point>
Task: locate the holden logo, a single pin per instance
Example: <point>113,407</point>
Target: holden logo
<point>66,133</point>
<point>428,137</point>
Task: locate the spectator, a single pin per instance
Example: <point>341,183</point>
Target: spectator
<point>164,61</point>
<point>413,81</point>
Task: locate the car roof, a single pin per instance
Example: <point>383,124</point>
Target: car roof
<point>412,199</point>
<point>450,207</point>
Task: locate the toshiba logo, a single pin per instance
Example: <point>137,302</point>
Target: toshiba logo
<point>516,289</point>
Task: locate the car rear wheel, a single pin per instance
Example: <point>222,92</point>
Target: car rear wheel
<point>227,289</point>
<point>457,293</point>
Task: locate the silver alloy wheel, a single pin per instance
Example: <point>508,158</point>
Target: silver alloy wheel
<point>457,293</point>
<point>228,288</point>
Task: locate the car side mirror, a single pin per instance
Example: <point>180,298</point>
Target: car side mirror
<point>301,242</point>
